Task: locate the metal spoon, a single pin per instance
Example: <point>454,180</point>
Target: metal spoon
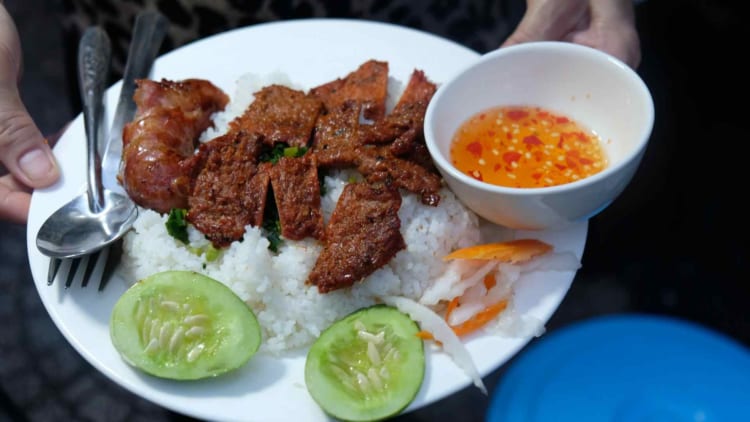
<point>101,221</point>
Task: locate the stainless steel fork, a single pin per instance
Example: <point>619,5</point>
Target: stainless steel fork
<point>94,60</point>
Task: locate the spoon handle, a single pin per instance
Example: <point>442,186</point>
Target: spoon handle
<point>150,28</point>
<point>94,53</point>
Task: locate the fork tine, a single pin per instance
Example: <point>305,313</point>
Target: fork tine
<point>54,266</point>
<point>74,264</point>
<point>112,260</point>
<point>93,259</point>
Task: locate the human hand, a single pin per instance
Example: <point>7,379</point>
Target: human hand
<point>23,150</point>
<point>607,25</point>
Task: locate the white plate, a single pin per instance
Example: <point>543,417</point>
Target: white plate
<point>271,389</point>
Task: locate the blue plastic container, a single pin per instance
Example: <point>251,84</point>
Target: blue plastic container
<point>627,368</point>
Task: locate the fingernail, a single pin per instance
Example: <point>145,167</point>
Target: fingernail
<point>36,164</point>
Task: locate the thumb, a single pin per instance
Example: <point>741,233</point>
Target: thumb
<point>547,20</point>
<point>529,29</point>
<point>23,150</point>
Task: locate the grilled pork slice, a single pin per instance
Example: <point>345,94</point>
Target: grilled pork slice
<point>402,133</point>
<point>230,187</point>
<point>407,117</point>
<point>337,136</point>
<point>296,189</point>
<point>364,233</point>
<point>366,86</point>
<point>169,118</point>
<point>281,115</point>
<point>378,165</point>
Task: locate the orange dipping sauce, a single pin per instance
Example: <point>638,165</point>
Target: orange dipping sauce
<point>526,147</point>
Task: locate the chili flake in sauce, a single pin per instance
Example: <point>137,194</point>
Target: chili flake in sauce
<point>526,147</point>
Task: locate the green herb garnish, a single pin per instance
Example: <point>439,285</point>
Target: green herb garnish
<point>295,152</point>
<point>279,150</point>
<point>177,224</point>
<point>271,226</point>
<point>322,181</point>
<point>212,253</point>
<point>272,229</point>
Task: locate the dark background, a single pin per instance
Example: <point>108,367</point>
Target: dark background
<point>674,243</point>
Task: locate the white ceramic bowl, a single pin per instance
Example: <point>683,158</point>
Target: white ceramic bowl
<point>595,89</point>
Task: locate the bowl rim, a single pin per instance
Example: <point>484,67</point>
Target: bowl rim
<point>443,163</point>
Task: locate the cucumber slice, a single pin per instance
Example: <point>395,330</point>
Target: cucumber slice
<point>366,366</point>
<point>183,325</point>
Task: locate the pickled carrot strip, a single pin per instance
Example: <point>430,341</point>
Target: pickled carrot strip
<point>480,319</point>
<point>425,335</point>
<point>512,251</point>
<point>472,324</point>
<point>489,281</point>
<point>451,306</point>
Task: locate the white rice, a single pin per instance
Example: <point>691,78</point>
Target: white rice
<point>293,314</point>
